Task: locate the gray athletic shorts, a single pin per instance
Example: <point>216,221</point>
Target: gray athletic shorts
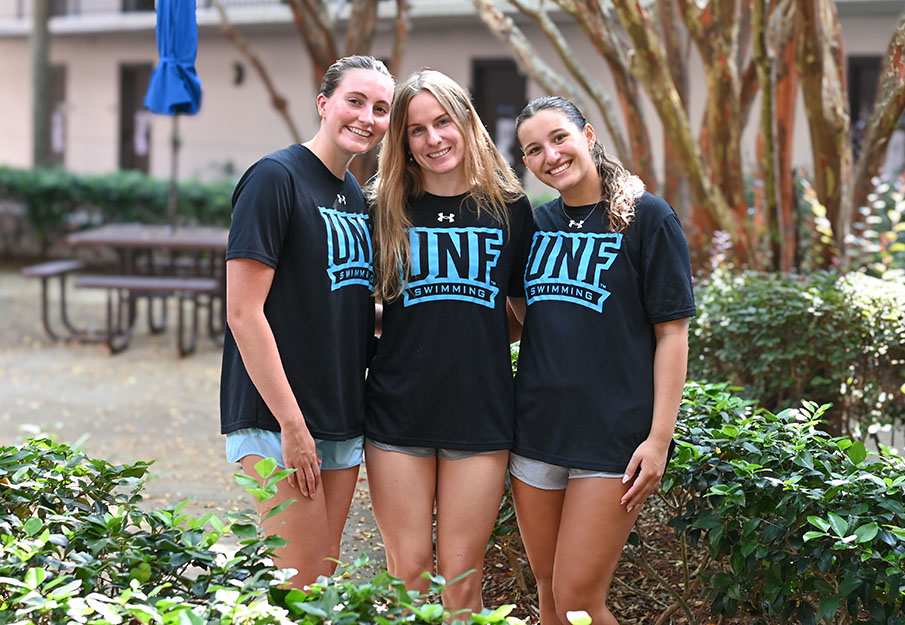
<point>430,452</point>
<point>548,476</point>
<point>334,455</point>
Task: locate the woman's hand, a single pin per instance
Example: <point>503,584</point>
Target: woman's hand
<point>300,453</point>
<point>650,457</point>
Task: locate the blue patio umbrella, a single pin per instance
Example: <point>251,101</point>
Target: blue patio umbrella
<point>175,88</point>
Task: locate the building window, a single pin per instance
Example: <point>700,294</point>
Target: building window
<point>130,6</point>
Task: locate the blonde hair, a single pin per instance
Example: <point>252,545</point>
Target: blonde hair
<point>492,184</point>
<point>619,188</point>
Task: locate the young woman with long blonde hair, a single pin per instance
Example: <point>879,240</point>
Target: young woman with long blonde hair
<point>451,223</point>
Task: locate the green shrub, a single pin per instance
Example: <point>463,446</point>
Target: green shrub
<point>56,200</point>
<point>75,547</point>
<point>832,338</point>
<point>798,526</point>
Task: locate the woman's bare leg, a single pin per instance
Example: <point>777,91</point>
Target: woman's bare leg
<point>593,530</point>
<point>469,491</point>
<point>538,512</point>
<point>304,524</point>
<point>402,491</point>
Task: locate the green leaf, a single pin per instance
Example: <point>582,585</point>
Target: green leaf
<point>35,577</point>
<point>246,481</point>
<point>188,617</point>
<point>280,508</point>
<point>848,585</point>
<point>822,524</point>
<point>265,467</point>
<point>857,452</point>
<point>867,533</point>
<point>839,525</point>
<point>32,526</point>
<point>812,535</point>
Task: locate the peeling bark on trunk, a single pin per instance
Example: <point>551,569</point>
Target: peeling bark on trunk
<point>360,28</point>
<point>649,65</point>
<point>715,31</point>
<point>888,109</point>
<point>402,31</point>
<point>766,148</point>
<point>782,43</point>
<point>677,44</point>
<point>822,72</point>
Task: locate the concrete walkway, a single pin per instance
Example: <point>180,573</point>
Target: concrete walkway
<point>143,404</point>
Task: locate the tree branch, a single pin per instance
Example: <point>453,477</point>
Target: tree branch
<point>888,109</point>
<point>277,99</point>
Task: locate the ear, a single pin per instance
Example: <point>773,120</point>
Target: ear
<point>321,105</point>
<point>590,135</point>
<point>525,160</point>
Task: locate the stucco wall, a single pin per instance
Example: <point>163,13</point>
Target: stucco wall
<point>237,123</point>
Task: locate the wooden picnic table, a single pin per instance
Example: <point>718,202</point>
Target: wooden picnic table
<point>155,262</point>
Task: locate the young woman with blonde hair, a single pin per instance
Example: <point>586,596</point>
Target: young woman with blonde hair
<point>602,360</point>
<point>451,226</point>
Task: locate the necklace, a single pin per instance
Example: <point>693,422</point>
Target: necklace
<point>573,223</point>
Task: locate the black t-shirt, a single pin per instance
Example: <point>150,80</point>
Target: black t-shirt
<point>292,214</point>
<point>585,376</point>
<point>442,375</point>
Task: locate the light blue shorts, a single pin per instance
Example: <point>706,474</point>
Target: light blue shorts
<point>430,452</point>
<point>334,455</point>
<point>548,476</point>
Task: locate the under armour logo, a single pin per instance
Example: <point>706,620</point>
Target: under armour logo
<point>576,224</point>
<point>340,198</point>
<point>450,218</point>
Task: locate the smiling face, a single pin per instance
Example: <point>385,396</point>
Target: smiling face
<point>356,115</point>
<point>558,153</point>
<point>436,144</point>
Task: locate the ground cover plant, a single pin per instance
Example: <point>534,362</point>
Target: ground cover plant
<point>762,518</point>
<point>75,547</point>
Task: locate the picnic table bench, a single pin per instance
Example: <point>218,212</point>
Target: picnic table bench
<point>155,263</point>
<point>123,291</point>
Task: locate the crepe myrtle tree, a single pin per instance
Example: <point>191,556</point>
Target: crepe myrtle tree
<point>321,24</point>
<point>774,49</point>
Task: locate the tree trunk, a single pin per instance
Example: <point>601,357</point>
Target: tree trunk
<point>676,43</point>
<point>40,80</point>
<point>786,94</point>
<point>650,67</point>
<point>821,68</point>
<point>888,109</point>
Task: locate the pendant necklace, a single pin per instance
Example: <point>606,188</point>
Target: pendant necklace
<point>577,223</point>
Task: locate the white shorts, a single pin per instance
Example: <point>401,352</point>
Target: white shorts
<point>548,476</point>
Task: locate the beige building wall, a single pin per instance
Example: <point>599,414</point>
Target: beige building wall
<point>237,123</point>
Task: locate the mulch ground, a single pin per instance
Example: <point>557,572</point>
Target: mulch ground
<point>635,596</point>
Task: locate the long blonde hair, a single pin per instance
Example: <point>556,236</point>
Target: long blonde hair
<point>492,184</point>
<point>619,188</point>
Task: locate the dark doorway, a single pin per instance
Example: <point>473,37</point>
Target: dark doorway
<point>134,118</point>
<point>499,92</point>
<point>863,74</point>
